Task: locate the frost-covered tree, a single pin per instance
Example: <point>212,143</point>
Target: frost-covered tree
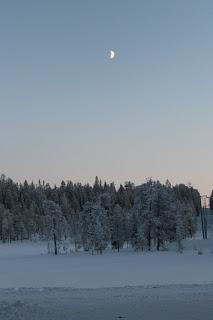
<point>155,214</point>
<point>6,223</point>
<point>180,228</point>
<point>118,233</point>
<point>145,211</point>
<point>164,215</point>
<point>55,223</point>
<point>190,203</point>
<point>147,216</point>
<point>95,227</point>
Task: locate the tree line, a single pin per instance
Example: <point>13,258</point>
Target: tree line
<point>95,217</point>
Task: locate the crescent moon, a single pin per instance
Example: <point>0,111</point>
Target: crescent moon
<point>112,54</point>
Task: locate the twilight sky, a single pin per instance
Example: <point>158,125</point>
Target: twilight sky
<point>68,112</point>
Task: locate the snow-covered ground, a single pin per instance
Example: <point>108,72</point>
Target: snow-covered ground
<point>162,303</point>
<point>28,265</point>
<point>129,285</point>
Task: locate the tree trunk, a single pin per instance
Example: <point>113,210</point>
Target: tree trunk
<point>149,241</point>
<point>158,244</point>
<point>55,244</point>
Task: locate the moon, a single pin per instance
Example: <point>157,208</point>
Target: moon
<point>112,54</point>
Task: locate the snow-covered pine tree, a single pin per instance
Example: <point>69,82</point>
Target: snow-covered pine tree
<point>118,235</point>
<point>55,223</point>
<point>155,214</point>
<point>144,211</point>
<point>164,214</point>
<point>180,228</point>
<point>94,227</point>
<point>6,224</point>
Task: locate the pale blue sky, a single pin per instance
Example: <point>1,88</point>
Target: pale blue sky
<point>68,112</point>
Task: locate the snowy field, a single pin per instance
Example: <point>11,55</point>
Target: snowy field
<point>28,265</point>
<point>129,285</point>
<point>136,303</point>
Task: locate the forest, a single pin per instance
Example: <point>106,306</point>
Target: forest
<point>99,216</point>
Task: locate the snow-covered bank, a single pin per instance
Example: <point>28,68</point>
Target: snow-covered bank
<point>162,303</point>
<point>28,266</point>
